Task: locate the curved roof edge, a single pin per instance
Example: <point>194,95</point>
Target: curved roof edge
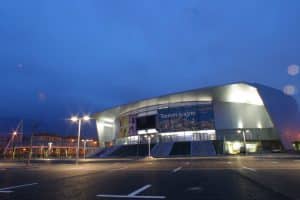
<point>208,88</point>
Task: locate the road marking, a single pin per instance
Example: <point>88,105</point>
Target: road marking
<point>117,163</point>
<point>119,168</point>
<point>133,195</point>
<point>248,168</point>
<point>176,170</point>
<point>130,197</point>
<point>196,188</point>
<point>75,168</point>
<point>8,189</point>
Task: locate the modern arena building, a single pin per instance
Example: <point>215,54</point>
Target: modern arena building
<point>228,119</point>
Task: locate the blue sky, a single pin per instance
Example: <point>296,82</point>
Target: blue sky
<point>60,57</point>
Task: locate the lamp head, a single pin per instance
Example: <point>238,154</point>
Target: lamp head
<point>74,119</point>
<point>86,118</point>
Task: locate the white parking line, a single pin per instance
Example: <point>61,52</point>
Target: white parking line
<point>8,189</point>
<point>119,168</point>
<point>187,163</point>
<point>130,197</point>
<point>176,170</point>
<point>133,195</point>
<point>75,168</point>
<point>248,168</point>
<point>196,188</point>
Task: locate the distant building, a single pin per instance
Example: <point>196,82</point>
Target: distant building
<point>42,139</point>
<point>45,145</point>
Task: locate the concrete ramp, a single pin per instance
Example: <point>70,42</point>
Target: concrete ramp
<point>96,153</point>
<point>202,148</point>
<point>108,151</point>
<point>162,149</point>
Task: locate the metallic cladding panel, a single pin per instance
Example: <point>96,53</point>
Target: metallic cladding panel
<point>106,125</point>
<point>240,115</point>
<point>105,133</point>
<point>284,112</point>
<point>237,93</point>
<point>204,95</point>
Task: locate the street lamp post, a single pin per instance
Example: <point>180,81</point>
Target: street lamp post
<point>49,148</point>
<point>31,140</point>
<point>84,146</point>
<point>243,131</point>
<point>13,144</point>
<point>79,120</point>
<point>149,145</point>
<point>148,134</point>
<point>244,140</point>
<point>149,148</point>
<point>30,152</point>
<point>78,141</point>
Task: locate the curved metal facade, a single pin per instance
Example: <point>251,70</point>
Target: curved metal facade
<point>235,107</point>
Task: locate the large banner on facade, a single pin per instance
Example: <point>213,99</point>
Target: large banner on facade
<point>124,126</point>
<point>127,126</point>
<point>132,125</point>
<point>186,118</point>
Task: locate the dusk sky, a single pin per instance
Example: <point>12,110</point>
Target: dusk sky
<point>61,57</point>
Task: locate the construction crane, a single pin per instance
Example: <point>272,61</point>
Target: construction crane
<point>13,135</point>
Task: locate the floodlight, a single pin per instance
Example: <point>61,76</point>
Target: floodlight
<point>86,118</point>
<point>74,119</point>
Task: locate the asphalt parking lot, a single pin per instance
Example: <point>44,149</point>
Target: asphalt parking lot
<point>183,178</point>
